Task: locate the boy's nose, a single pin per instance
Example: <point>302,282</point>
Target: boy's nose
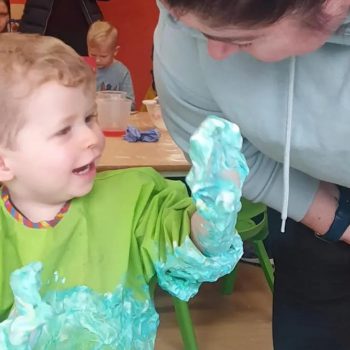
<point>219,50</point>
<point>93,137</point>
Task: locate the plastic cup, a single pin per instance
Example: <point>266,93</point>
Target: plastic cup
<point>153,109</point>
<point>111,94</point>
<point>113,109</point>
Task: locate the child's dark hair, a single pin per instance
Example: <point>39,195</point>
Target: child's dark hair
<point>249,13</point>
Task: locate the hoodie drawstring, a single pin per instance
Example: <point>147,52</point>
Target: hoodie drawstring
<point>288,136</point>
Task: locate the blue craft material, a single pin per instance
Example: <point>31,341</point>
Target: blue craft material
<point>216,177</point>
<point>134,135</point>
<point>77,318</point>
<point>187,268</point>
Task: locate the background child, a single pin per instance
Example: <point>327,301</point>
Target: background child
<point>110,74</point>
<point>111,232</point>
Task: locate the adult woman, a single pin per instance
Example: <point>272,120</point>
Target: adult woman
<point>68,20</point>
<point>239,61</point>
<point>4,15</point>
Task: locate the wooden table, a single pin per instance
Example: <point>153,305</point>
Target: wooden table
<point>164,155</point>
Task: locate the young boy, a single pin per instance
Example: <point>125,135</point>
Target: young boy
<point>111,232</point>
<point>110,73</point>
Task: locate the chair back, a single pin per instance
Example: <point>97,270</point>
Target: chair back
<point>252,221</point>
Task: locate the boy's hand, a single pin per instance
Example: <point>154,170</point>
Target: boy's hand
<point>216,178</point>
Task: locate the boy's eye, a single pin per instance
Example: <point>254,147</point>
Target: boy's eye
<point>64,131</point>
<point>91,118</point>
<point>244,45</point>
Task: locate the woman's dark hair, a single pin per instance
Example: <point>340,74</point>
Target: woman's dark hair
<point>249,13</point>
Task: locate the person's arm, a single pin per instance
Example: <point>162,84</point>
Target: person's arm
<point>127,86</point>
<point>322,210</point>
<point>164,218</point>
<point>216,177</point>
<point>162,230</point>
<point>311,201</point>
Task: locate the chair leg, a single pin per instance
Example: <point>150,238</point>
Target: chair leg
<point>185,324</point>
<point>228,282</point>
<point>265,262</point>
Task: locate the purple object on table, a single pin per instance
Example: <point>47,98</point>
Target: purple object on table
<point>134,135</point>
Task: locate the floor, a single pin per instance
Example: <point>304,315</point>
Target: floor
<point>241,321</point>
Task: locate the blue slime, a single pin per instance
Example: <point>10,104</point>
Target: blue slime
<point>76,318</point>
<point>216,177</point>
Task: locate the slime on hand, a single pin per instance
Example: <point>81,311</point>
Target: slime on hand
<point>216,177</point>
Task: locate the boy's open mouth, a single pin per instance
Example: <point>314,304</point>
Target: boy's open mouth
<point>83,169</point>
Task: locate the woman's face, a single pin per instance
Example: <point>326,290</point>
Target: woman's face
<point>4,16</point>
<point>287,37</point>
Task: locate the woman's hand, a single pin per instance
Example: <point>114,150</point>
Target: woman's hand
<point>346,236</point>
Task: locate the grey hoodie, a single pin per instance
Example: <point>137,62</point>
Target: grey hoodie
<point>255,96</point>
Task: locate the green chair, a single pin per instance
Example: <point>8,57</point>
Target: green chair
<point>183,318</point>
<point>252,226</point>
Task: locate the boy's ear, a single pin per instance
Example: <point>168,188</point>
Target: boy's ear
<point>116,50</point>
<point>6,173</point>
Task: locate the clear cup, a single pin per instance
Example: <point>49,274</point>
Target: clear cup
<point>113,109</point>
<point>111,94</point>
<point>153,109</point>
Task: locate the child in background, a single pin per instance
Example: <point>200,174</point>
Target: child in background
<point>110,74</point>
<point>111,232</point>
<point>4,15</point>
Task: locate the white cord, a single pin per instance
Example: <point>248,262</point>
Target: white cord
<point>288,136</point>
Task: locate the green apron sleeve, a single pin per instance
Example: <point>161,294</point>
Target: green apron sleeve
<point>165,246</point>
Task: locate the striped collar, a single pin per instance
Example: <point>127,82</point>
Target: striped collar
<point>26,222</point>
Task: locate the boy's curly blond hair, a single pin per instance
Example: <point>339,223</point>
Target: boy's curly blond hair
<point>27,61</point>
<point>101,34</point>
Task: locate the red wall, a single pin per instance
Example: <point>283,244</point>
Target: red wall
<point>135,21</point>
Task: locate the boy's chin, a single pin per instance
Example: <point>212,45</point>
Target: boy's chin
<point>82,191</point>
<point>104,66</point>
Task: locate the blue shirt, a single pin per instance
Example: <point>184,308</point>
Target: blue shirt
<point>116,77</point>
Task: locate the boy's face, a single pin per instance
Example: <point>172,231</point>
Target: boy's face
<point>55,151</point>
<point>103,55</point>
